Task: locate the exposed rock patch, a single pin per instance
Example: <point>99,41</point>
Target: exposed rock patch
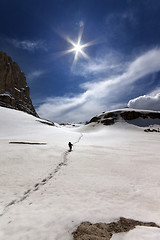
<point>151,130</point>
<point>31,143</point>
<point>46,122</point>
<point>128,115</point>
<point>104,231</point>
<point>14,92</point>
<point>105,118</point>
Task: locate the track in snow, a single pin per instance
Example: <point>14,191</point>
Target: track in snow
<point>78,139</point>
<point>45,180</point>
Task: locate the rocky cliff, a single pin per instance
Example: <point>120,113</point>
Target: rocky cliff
<point>14,92</point>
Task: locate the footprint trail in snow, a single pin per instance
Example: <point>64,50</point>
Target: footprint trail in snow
<point>45,180</point>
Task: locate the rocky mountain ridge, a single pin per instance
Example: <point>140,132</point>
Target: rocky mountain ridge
<point>14,91</point>
<point>137,117</point>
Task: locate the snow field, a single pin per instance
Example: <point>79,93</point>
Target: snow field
<point>112,172</point>
<point>139,233</point>
<point>23,166</point>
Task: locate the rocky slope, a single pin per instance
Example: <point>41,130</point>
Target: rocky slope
<point>14,92</point>
<point>137,117</point>
<point>105,231</point>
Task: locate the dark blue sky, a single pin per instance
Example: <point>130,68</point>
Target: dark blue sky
<point>122,65</point>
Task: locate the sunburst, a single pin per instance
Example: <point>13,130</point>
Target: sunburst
<point>78,48</point>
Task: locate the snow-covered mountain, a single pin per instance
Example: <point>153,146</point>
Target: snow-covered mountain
<point>47,191</point>
<point>137,117</point>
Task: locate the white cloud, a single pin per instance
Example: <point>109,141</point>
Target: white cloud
<point>101,94</point>
<point>146,102</point>
<point>27,44</point>
<point>154,92</point>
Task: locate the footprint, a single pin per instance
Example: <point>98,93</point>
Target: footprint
<point>23,198</point>
<point>44,180</point>
<point>36,185</point>
<point>26,192</point>
<point>36,189</point>
<point>11,203</point>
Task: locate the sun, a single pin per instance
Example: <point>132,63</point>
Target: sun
<point>77,47</point>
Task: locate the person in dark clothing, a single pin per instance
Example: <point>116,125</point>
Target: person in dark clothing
<point>70,146</point>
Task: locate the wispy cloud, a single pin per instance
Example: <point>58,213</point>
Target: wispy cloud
<point>34,75</point>
<point>100,94</point>
<point>116,23</point>
<point>109,64</point>
<point>27,44</point>
<point>101,68</point>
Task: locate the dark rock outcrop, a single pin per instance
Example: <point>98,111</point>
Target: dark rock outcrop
<point>152,130</point>
<point>105,118</point>
<point>14,92</point>
<point>129,116</point>
<point>104,231</point>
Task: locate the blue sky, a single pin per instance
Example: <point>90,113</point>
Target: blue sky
<point>123,64</point>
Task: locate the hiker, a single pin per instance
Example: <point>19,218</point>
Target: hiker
<point>70,146</point>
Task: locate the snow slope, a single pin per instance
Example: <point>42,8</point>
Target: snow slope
<point>112,172</point>
<point>22,166</point>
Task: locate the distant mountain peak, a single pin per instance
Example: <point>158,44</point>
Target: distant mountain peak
<point>14,92</point>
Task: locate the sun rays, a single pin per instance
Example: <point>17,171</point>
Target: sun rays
<point>77,47</point>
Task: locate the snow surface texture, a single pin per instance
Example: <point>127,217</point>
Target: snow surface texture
<point>140,233</point>
<point>46,191</point>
